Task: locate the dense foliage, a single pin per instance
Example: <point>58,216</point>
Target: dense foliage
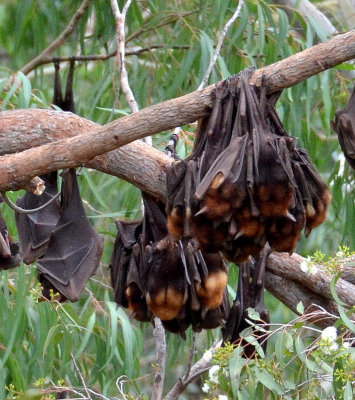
<point>43,345</point>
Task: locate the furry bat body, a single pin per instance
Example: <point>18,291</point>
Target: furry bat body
<point>69,247</point>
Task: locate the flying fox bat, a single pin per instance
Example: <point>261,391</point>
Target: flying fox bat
<point>344,126</point>
<point>35,229</point>
<point>10,254</point>
<point>250,294</point>
<point>154,274</point>
<point>128,234</point>
<point>66,103</point>
<point>74,248</point>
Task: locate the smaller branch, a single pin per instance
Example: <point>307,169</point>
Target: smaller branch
<point>81,377</point>
<point>35,186</point>
<point>59,40</point>
<point>104,57</point>
<point>199,368</point>
<point>192,355</point>
<point>219,44</point>
<point>120,25</point>
<point>167,21</point>
<point>318,281</point>
<point>160,350</point>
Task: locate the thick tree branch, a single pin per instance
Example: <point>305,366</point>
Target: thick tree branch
<point>23,129</point>
<point>17,169</point>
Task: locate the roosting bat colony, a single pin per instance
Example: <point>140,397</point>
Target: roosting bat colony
<point>246,189</point>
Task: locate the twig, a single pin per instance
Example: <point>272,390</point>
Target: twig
<point>104,57</point>
<point>59,40</point>
<point>81,377</point>
<point>120,18</point>
<point>27,211</point>
<point>200,367</point>
<point>160,350</point>
<point>119,384</point>
<point>171,18</point>
<point>220,43</point>
<point>192,355</point>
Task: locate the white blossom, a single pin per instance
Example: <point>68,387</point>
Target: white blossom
<point>213,373</point>
<point>313,269</point>
<point>334,346</point>
<point>329,334</point>
<point>208,355</point>
<point>304,266</point>
<point>346,345</point>
<point>340,254</point>
<point>222,397</point>
<point>206,387</point>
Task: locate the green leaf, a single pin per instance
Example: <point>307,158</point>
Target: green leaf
<point>300,308</point>
<point>332,286</point>
<point>268,380</point>
<point>346,319</point>
<point>253,314</point>
<point>348,392</point>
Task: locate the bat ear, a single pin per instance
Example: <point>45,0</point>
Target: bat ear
<point>57,96</point>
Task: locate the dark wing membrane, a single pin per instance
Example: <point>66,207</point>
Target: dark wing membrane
<point>74,248</point>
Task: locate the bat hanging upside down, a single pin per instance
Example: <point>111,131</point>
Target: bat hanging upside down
<point>155,274</point>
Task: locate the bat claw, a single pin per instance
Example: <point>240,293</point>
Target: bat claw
<point>290,216</point>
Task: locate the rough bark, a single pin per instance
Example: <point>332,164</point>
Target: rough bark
<point>23,129</point>
<point>17,169</point>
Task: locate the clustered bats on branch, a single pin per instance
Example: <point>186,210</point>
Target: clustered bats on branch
<point>155,274</point>
<point>246,182</point>
<point>245,186</point>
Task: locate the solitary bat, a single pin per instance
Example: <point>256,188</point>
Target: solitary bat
<point>344,126</point>
<point>74,248</point>
<point>35,228</point>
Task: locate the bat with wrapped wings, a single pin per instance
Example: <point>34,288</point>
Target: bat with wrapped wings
<point>156,274</point>
<point>344,126</point>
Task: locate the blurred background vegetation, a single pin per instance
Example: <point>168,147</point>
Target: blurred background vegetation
<point>42,344</point>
